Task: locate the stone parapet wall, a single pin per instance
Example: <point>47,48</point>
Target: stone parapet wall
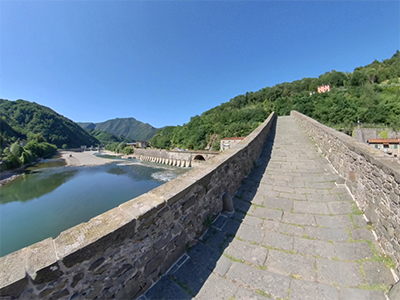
<point>121,253</point>
<point>372,176</point>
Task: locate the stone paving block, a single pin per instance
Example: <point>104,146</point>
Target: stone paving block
<point>283,189</point>
<point>238,216</point>
<point>245,294</point>
<point>256,255</point>
<point>307,207</point>
<point>191,276</point>
<point>250,234</point>
<point>277,240</point>
<point>257,199</point>
<point>284,228</point>
<point>166,288</point>
<point>210,258</point>
<point>272,284</point>
<point>377,273</point>
<point>347,274</point>
<point>321,185</point>
<point>340,221</point>
<point>362,234</point>
<point>296,183</point>
<point>359,221</point>
<point>219,222</point>
<point>266,190</point>
<point>231,227</point>
<point>297,197</point>
<point>306,191</point>
<point>218,241</point>
<point>299,219</point>
<point>327,234</point>
<point>241,205</point>
<point>353,251</point>
<point>291,264</point>
<point>307,290</point>
<point>346,197</point>
<point>253,221</point>
<point>279,203</point>
<point>314,247</point>
<point>323,192</point>
<point>340,208</point>
<point>217,288</point>
<point>359,294</point>
<point>324,198</point>
<point>266,213</point>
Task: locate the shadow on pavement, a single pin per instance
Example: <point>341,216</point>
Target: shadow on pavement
<point>195,269</point>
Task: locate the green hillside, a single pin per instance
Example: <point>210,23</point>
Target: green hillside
<point>105,137</point>
<point>28,118</point>
<point>371,94</point>
<point>125,128</point>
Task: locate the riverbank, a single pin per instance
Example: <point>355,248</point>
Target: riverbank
<point>80,159</point>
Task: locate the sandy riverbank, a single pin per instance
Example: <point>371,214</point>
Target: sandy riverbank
<point>87,158</point>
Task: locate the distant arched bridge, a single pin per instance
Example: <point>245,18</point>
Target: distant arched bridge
<point>174,158</point>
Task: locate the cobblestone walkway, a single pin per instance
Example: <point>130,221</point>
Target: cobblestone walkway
<point>295,234</point>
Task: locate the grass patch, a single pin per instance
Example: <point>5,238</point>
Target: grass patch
<point>386,260</point>
<point>208,221</point>
<point>262,293</point>
<point>232,298</point>
<point>356,211</point>
<point>238,238</point>
<point>234,259</point>
<point>375,287</point>
<point>295,276</point>
<point>257,206</point>
<point>277,249</point>
<point>264,268</point>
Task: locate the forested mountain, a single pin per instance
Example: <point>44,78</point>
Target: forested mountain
<point>106,137</point>
<point>128,128</point>
<point>28,118</point>
<point>371,94</point>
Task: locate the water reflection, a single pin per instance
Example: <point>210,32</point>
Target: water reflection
<point>34,184</point>
<point>46,201</point>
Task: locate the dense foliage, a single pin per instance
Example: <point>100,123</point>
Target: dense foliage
<point>125,128</point>
<point>120,148</point>
<point>15,155</point>
<point>27,119</point>
<point>106,137</point>
<point>370,94</point>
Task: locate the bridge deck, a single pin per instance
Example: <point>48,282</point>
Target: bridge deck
<point>295,234</point>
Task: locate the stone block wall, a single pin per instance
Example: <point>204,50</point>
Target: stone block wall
<point>372,176</point>
<point>121,253</point>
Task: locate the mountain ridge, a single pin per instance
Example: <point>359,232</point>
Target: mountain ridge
<point>129,128</point>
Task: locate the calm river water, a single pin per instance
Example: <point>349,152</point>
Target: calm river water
<point>50,197</point>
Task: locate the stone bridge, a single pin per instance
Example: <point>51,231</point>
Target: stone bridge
<point>310,218</point>
<point>174,158</point>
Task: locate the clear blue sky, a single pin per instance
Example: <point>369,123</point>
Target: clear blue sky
<point>163,62</point>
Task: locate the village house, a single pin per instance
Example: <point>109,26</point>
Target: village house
<point>389,146</point>
<point>227,143</point>
<point>324,88</point>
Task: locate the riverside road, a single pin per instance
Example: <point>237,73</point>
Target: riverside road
<point>295,234</point>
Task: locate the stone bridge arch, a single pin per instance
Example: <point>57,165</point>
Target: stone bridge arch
<point>199,157</point>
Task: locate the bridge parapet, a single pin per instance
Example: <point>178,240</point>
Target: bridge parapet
<point>121,253</point>
<point>372,177</point>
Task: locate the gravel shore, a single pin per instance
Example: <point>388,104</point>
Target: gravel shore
<point>87,158</point>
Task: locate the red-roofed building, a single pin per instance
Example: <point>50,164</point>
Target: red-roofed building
<point>227,143</point>
<point>389,146</point>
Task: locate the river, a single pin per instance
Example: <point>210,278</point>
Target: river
<point>50,197</point>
